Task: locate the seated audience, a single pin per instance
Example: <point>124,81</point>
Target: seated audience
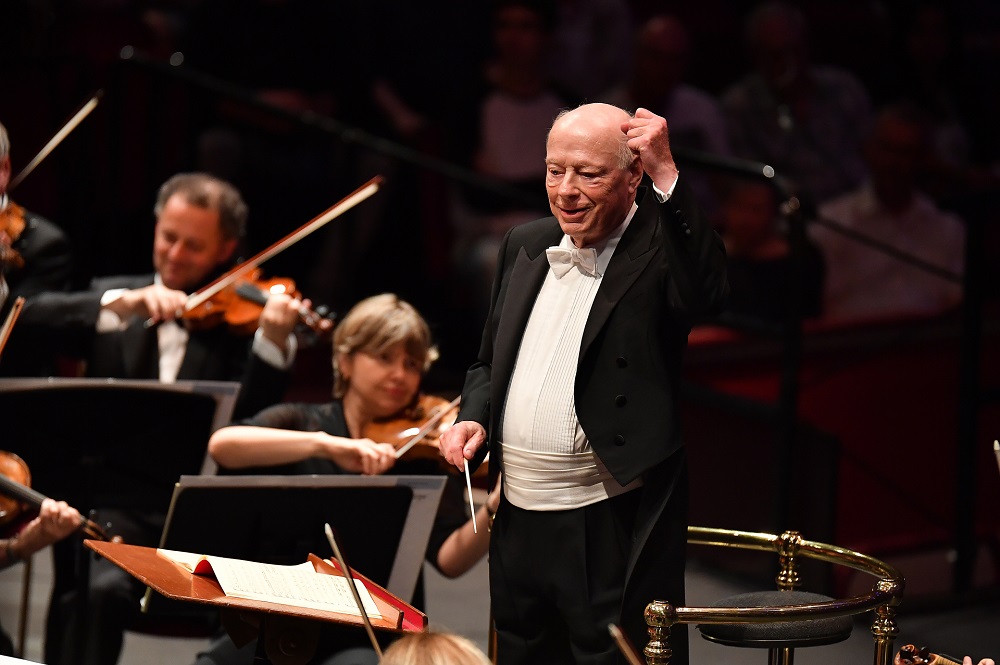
<point>804,120</point>
<point>505,130</point>
<point>865,282</point>
<point>696,121</point>
<point>764,280</point>
<point>590,45</point>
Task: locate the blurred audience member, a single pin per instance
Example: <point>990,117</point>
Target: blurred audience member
<point>762,272</point>
<point>696,122</point>
<point>928,73</point>
<point>506,128</point>
<point>592,40</point>
<point>932,72</point>
<point>806,121</point>
<point>863,282</point>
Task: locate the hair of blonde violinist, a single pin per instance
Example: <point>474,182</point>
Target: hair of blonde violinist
<point>375,324</point>
<point>433,648</point>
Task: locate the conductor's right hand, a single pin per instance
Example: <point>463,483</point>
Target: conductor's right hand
<point>461,441</point>
<point>155,302</point>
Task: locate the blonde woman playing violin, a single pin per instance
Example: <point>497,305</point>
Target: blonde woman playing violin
<point>382,349</point>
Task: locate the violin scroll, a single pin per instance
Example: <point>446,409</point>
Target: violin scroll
<point>909,654</point>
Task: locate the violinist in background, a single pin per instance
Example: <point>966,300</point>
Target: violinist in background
<point>35,256</point>
<point>55,521</point>
<point>199,223</point>
<point>381,349</point>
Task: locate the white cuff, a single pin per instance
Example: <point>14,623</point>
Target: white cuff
<point>270,353</point>
<point>108,321</point>
<point>662,196</point>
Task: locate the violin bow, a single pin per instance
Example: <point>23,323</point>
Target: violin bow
<point>428,426</point>
<point>70,125</point>
<point>8,324</point>
<point>336,210</point>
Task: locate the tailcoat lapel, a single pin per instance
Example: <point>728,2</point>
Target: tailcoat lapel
<point>630,258</point>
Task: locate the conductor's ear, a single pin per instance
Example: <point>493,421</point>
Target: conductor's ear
<point>635,172</point>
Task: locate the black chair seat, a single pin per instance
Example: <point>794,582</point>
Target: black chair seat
<point>782,634</point>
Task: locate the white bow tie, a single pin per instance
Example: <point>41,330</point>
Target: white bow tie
<point>562,259</point>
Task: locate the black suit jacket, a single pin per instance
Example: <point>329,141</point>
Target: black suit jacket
<point>211,355</point>
<point>48,266</point>
<point>667,270</point>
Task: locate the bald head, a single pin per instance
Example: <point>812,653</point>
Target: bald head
<point>597,123</point>
<point>591,175</point>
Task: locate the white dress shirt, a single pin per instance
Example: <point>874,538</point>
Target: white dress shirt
<point>548,462</point>
<point>172,339</point>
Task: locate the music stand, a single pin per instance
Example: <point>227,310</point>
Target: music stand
<point>110,444</point>
<point>101,443</point>
<point>384,522</point>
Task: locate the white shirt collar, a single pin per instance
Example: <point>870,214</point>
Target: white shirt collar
<point>605,249</point>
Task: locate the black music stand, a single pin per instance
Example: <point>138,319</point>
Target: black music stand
<point>383,523</point>
<point>117,446</point>
<point>107,443</point>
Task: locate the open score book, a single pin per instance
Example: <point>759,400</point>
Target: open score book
<point>298,586</point>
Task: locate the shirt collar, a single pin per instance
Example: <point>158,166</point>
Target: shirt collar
<point>605,249</point>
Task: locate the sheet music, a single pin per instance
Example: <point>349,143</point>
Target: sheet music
<point>299,586</point>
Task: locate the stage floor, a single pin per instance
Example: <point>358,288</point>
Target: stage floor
<point>460,605</point>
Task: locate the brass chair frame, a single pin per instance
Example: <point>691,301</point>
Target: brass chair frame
<point>885,597</point>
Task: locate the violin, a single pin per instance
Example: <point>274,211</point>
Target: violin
<point>15,494</point>
<point>911,655</point>
<point>416,432</point>
<point>239,305</point>
<point>12,225</point>
<point>248,270</point>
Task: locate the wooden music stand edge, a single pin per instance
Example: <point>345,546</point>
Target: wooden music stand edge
<point>174,581</point>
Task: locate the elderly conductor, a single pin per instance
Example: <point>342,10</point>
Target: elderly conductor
<point>574,392</point>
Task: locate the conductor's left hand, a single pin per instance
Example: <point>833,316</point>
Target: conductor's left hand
<point>649,140</point>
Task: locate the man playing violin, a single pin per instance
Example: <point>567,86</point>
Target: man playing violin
<point>35,256</point>
<point>199,223</point>
<point>382,349</point>
<point>200,220</point>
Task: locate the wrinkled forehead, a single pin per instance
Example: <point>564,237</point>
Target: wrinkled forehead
<point>584,141</point>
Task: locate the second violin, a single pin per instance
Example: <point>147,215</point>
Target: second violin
<point>416,432</point>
